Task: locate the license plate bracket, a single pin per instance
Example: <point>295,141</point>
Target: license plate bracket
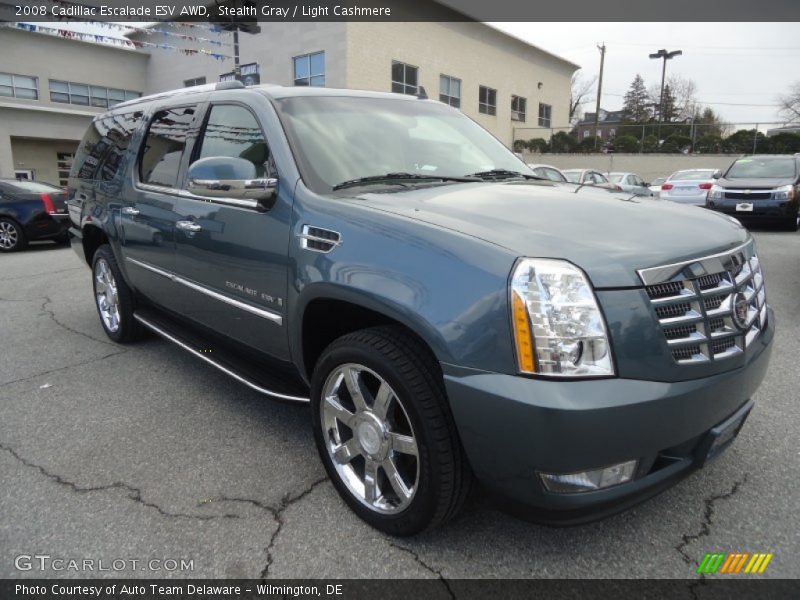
<point>721,436</point>
<point>744,207</point>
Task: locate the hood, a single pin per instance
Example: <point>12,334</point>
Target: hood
<point>608,235</point>
<point>759,183</point>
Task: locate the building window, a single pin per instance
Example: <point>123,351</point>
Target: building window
<point>450,90</point>
<point>612,133</point>
<point>69,92</point>
<point>518,105</point>
<point>64,165</point>
<point>194,81</point>
<point>545,115</point>
<point>404,78</point>
<point>19,86</point>
<point>487,100</point>
<point>309,69</point>
<point>586,132</point>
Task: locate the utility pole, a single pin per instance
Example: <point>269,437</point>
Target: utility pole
<point>602,48</point>
<point>666,56</point>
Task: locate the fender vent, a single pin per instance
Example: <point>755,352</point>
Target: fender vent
<point>318,239</point>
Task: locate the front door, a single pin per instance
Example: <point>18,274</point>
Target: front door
<point>232,260</point>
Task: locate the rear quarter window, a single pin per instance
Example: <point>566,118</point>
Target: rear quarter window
<point>103,148</point>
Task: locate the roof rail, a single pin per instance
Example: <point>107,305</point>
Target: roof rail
<point>229,85</point>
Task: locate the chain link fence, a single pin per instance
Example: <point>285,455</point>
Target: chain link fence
<point>643,138</point>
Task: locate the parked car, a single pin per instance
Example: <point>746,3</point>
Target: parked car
<point>655,186</point>
<point>548,172</point>
<point>759,188</point>
<point>590,177</point>
<point>447,315</point>
<point>30,210</point>
<point>689,186</point>
<point>631,183</point>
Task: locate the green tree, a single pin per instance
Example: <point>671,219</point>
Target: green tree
<point>741,142</point>
<point>669,108</point>
<point>708,144</point>
<point>563,142</point>
<point>676,142</point>
<point>626,143</point>
<point>635,105</point>
<point>783,143</point>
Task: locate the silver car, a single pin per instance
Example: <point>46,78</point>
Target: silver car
<point>631,183</point>
<point>548,172</point>
<point>689,186</point>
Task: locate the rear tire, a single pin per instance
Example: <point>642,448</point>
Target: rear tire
<point>113,298</point>
<point>391,449</point>
<point>12,238</point>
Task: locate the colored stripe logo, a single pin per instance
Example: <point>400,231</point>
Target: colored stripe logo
<point>734,562</point>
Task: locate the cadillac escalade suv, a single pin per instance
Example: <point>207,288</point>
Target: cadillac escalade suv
<point>448,316</point>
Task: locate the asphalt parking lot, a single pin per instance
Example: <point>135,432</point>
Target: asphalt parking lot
<point>143,452</point>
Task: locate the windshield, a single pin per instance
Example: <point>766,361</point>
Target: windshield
<point>692,175</point>
<point>341,138</point>
<point>762,168</point>
<point>573,176</point>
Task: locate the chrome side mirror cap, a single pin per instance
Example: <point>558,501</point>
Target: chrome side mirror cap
<point>232,180</point>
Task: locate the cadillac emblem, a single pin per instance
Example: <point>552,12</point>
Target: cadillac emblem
<point>740,308</point>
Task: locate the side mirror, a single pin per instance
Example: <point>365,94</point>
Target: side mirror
<point>232,180</point>
<point>716,174</point>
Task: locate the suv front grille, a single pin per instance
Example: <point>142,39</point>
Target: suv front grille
<point>714,315</point>
<point>748,196</point>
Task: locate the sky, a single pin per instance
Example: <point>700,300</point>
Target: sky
<point>739,68</point>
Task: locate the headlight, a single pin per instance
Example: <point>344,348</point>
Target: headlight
<point>716,193</point>
<point>785,192</point>
<point>558,327</point>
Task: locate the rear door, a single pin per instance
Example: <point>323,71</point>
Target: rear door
<point>147,216</point>
<point>232,259</point>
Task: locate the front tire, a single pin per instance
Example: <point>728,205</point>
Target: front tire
<point>113,298</point>
<point>384,431</point>
<point>790,224</point>
<point>12,238</point>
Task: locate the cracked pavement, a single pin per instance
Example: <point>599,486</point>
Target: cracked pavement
<point>142,451</point>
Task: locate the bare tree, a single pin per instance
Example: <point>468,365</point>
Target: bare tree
<point>789,104</point>
<point>684,97</point>
<point>579,95</point>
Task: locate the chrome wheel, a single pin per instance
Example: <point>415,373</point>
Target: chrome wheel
<point>8,235</point>
<point>369,438</point>
<point>106,295</point>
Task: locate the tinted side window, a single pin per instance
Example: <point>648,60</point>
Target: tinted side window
<point>234,132</point>
<point>90,151</point>
<point>163,148</point>
<point>119,131</point>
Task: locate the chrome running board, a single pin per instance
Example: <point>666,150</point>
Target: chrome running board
<point>225,366</point>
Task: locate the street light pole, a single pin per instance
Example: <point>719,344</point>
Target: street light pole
<point>663,54</point>
<point>602,49</point>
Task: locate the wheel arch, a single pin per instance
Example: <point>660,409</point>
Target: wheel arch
<point>330,313</point>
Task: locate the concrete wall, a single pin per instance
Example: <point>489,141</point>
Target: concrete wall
<point>273,49</point>
<point>41,156</point>
<point>473,52</point>
<point>48,57</point>
<point>647,166</point>
<point>53,132</point>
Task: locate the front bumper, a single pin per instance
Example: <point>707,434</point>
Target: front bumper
<point>514,427</point>
<point>762,209</point>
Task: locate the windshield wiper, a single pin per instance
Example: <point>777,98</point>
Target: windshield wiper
<point>497,174</point>
<point>397,177</point>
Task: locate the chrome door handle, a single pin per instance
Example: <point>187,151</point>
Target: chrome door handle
<point>190,226</point>
<point>129,210</point>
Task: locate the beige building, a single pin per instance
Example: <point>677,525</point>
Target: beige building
<point>497,79</point>
<point>50,88</point>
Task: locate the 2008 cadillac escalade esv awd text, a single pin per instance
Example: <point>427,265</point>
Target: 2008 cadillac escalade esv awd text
<point>448,316</point>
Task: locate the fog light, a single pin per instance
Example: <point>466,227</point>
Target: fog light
<point>586,481</point>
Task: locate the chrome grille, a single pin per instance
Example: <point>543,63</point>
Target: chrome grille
<point>695,304</point>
